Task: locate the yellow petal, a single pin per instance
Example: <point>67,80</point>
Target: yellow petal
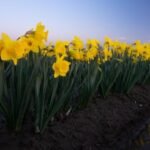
<point>5,55</point>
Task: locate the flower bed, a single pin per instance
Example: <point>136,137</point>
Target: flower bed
<point>42,83</point>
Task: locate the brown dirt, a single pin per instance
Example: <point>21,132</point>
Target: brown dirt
<point>106,124</point>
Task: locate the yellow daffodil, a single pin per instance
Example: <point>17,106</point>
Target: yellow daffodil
<point>77,55</point>
<point>107,54</point>
<point>108,40</point>
<point>60,47</point>
<point>12,50</point>
<point>60,67</point>
<point>40,33</point>
<point>93,43</point>
<point>77,43</point>
<point>1,46</point>
<point>91,54</point>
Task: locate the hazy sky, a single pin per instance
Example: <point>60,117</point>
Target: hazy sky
<point>120,19</point>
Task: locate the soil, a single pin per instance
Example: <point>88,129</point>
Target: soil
<point>112,123</point>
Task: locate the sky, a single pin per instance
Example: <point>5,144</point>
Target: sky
<point>125,20</point>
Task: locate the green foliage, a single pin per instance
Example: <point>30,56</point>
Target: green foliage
<point>17,84</point>
<point>30,87</point>
<point>130,74</point>
<point>91,78</point>
<point>110,73</point>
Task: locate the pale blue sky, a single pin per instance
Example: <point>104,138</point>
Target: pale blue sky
<point>120,19</point>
